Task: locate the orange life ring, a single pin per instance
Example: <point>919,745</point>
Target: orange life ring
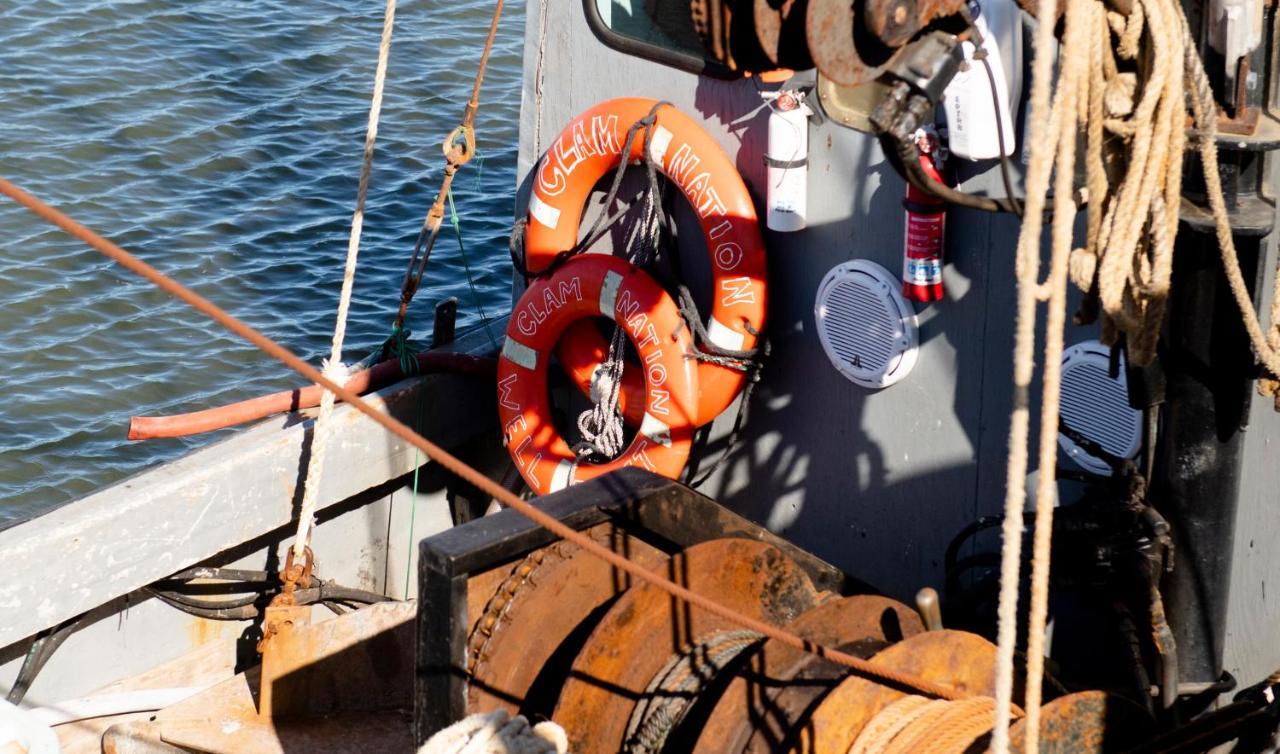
<point>588,286</point>
<point>588,148</point>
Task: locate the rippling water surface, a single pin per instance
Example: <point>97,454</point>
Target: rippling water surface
<point>220,141</point>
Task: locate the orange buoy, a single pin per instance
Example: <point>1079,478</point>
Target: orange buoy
<point>588,148</point>
<point>588,286</point>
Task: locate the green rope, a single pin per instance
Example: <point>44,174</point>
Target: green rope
<point>466,265</point>
<point>398,347</point>
<point>478,159</point>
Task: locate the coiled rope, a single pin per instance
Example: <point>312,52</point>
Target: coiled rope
<point>916,723</point>
<point>1133,184</point>
<point>333,368</point>
<point>676,687</point>
<point>601,425</point>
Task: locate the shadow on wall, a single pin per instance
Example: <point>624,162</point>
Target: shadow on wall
<point>876,482</point>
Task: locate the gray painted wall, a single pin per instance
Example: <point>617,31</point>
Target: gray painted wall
<point>876,482</point>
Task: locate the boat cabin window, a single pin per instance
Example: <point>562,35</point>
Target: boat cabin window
<point>663,31</point>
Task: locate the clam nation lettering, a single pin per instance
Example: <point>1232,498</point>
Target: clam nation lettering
<point>582,141</point>
<point>518,426</point>
<point>682,168</point>
<point>737,291</point>
<point>538,308</point>
<point>639,456</point>
<point>645,335</point>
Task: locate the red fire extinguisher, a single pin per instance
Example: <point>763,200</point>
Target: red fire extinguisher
<point>926,221</point>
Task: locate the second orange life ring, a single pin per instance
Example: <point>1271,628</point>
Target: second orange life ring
<point>585,287</point>
<point>588,148</point>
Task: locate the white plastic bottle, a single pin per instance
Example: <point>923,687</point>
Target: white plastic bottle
<point>972,133</point>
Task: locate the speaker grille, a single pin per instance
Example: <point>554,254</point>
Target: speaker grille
<point>1097,406</point>
<point>866,328</point>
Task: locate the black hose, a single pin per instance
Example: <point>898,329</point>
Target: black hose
<point>259,583</point>
<point>244,608</point>
<point>236,612</point>
<point>909,159</point>
<point>203,604</point>
<point>1014,204</point>
<point>46,643</point>
<point>225,574</point>
<point>348,594</point>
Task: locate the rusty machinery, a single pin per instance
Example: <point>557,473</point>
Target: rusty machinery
<point>899,56</point>
<point>510,617</point>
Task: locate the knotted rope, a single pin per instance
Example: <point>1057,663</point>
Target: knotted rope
<point>497,733</point>
<point>333,367</point>
<point>601,425</point>
<point>1133,183</point>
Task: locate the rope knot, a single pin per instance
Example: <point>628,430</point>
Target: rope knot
<point>336,371</point>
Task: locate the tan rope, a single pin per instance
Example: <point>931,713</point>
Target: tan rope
<point>889,722</point>
<point>1133,179</point>
<point>1042,119</point>
<point>1204,115</point>
<point>334,368</point>
<point>1073,74</point>
<point>913,724</point>
<point>452,464</point>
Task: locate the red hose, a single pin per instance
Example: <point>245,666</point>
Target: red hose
<point>378,376</point>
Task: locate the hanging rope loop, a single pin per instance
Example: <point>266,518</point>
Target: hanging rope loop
<point>601,426</point>
<point>1127,83</point>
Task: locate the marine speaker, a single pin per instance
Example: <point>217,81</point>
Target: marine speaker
<point>867,329</point>
<point>1097,406</point>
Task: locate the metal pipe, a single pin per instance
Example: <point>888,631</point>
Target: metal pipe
<point>1209,368</point>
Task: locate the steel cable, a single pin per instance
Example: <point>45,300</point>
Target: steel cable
<point>452,463</point>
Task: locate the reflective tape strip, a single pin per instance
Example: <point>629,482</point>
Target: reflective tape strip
<point>724,336</point>
<point>562,476</point>
<point>658,145</point>
<point>596,396</point>
<point>609,293</point>
<point>655,429</point>
<point>520,354</point>
<point>543,212</point>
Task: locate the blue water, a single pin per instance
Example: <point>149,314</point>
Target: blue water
<point>220,141</point>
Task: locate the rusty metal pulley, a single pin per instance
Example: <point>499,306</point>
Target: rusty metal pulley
<point>1087,722</point>
<point>861,625</point>
<point>853,43</point>
<point>963,660</point>
<point>645,628</point>
<point>779,26</point>
<point>543,607</point>
<point>625,668</point>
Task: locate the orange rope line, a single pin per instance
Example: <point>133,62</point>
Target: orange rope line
<point>452,463</point>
